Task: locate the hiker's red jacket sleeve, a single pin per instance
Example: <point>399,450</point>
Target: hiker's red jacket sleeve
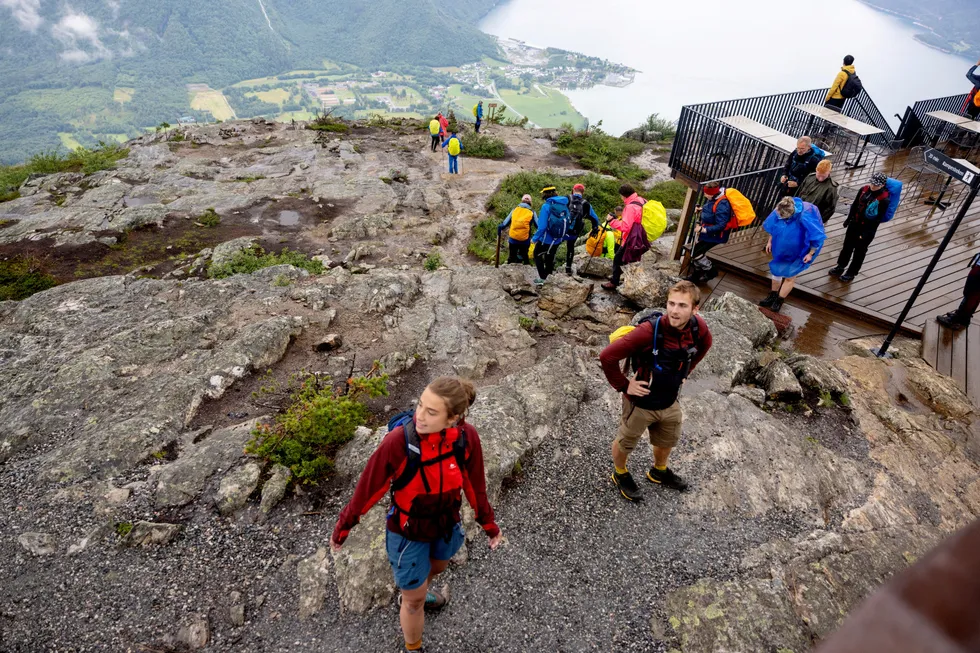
<point>475,484</point>
<point>384,463</point>
<point>629,345</point>
<point>705,340</point>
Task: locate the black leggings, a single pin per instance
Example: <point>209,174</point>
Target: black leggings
<point>435,142</point>
<point>544,259</point>
<point>517,252</point>
<point>971,297</point>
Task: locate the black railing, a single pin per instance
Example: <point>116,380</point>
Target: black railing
<point>706,148</point>
<point>913,130</point>
<point>761,187</point>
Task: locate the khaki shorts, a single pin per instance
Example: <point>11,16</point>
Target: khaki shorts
<point>664,426</point>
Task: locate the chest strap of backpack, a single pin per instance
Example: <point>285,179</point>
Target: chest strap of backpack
<point>414,464</point>
<point>658,343</point>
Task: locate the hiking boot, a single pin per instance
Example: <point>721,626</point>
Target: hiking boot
<point>436,600</point>
<point>627,486</point>
<point>776,304</point>
<point>609,285</point>
<point>847,277</point>
<point>770,298</point>
<point>836,272</point>
<point>667,478</point>
<point>950,322</point>
<point>538,282</point>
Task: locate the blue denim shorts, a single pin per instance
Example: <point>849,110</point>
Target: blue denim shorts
<point>410,559</point>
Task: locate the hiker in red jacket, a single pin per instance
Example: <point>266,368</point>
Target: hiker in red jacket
<point>632,216</point>
<point>423,528</point>
<point>662,350</point>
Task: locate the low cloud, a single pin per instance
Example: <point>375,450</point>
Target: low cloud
<point>25,12</point>
<point>79,33</point>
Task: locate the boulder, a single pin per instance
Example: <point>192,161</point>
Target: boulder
<point>195,633</point>
<point>225,252</point>
<point>756,395</point>
<point>645,284</point>
<point>741,316</point>
<point>561,293</point>
<point>814,374</point>
<point>312,573</point>
<point>938,391</point>
<point>235,488</point>
<point>767,369</point>
<point>145,533</point>
<point>730,352</point>
<point>274,489</point>
<point>39,544</point>
<point>329,342</point>
<point>361,566</point>
<point>599,267</point>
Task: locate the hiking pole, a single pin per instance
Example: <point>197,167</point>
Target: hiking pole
<point>602,232</point>
<point>692,236</point>
<point>496,262</point>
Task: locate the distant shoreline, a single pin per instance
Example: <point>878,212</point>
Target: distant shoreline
<point>913,21</point>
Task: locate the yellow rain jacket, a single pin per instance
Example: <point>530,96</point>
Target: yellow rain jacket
<point>839,82</point>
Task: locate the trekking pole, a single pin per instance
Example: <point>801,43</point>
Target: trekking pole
<point>496,262</point>
<point>693,237</point>
<point>602,232</point>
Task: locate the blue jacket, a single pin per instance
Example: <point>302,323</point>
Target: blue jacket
<point>541,236</point>
<point>503,225</point>
<point>715,221</point>
<point>591,217</point>
<point>479,112</point>
<point>973,77</point>
<point>445,143</point>
<point>798,167</point>
<point>793,237</point>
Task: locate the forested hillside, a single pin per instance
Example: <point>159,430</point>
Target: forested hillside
<point>955,24</point>
<point>127,62</point>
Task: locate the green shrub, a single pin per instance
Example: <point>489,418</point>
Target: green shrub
<point>669,193</point>
<point>317,422</point>
<point>597,151</point>
<point>665,126</point>
<point>209,218</point>
<point>324,122</point>
<point>433,261</point>
<point>480,146</point>
<point>250,260</point>
<point>22,277</point>
<point>82,160</point>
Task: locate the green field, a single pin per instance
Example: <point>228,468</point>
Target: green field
<point>213,102</point>
<point>277,96</point>
<point>549,109</point>
<point>69,141</point>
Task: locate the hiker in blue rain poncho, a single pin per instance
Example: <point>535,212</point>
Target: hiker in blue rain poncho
<point>796,236</point>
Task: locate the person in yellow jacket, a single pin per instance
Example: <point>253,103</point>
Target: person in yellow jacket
<point>434,129</point>
<point>835,99</point>
<point>522,220</point>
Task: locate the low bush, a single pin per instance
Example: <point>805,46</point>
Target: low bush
<point>480,146</point>
<point>669,193</point>
<point>433,261</point>
<point>317,422</point>
<point>209,218</point>
<point>82,160</point>
<point>602,153</point>
<point>324,122</point>
<point>248,261</point>
<point>22,277</point>
<point>665,126</point>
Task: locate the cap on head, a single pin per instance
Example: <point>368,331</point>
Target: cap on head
<point>578,188</point>
<point>526,199</point>
<point>878,179</point>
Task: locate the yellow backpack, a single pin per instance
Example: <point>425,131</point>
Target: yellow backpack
<point>434,127</point>
<point>474,110</point>
<point>654,218</point>
<point>454,146</point>
<point>520,223</point>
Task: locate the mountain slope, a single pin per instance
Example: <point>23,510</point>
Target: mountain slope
<point>156,48</point>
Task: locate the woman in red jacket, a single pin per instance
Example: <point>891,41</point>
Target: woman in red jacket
<point>428,463</point>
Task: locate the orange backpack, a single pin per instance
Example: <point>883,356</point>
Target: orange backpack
<point>742,212</point>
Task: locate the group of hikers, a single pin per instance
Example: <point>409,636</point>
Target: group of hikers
<point>440,133</point>
<point>432,456</point>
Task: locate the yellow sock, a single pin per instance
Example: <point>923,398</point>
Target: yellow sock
<point>659,468</point>
<point>417,646</point>
<point>620,471</point>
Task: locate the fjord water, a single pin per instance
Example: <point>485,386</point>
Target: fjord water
<point>708,50</point>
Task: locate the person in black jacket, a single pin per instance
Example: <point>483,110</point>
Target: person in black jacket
<point>862,225</point>
<point>802,162</point>
<point>972,105</point>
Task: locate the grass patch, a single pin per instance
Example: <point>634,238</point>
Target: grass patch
<point>480,146</point>
<point>249,180</point>
<point>669,193</point>
<point>209,218</point>
<point>317,422</point>
<point>433,261</point>
<point>252,260</point>
<point>124,528</point>
<point>82,160</point>
<point>545,107</point>
<point>22,277</point>
<point>602,153</point>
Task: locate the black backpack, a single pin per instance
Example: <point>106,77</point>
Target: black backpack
<point>578,208</point>
<point>852,87</point>
<point>658,344</point>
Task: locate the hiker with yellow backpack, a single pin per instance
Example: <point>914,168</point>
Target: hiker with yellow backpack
<point>662,350</point>
<point>522,220</point>
<point>434,130</point>
<point>724,210</point>
<point>454,146</point>
<point>643,222</point>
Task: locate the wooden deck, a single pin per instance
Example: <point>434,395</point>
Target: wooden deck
<point>818,330</point>
<point>955,354</point>
<point>897,257</point>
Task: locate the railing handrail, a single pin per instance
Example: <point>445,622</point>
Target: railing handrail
<point>752,173</point>
<point>757,97</point>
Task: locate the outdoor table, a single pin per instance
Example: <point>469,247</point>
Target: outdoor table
<point>844,122</point>
<point>785,142</point>
<point>749,126</point>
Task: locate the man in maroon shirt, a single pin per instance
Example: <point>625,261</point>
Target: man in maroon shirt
<point>662,352</point>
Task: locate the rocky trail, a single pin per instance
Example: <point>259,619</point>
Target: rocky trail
<point>131,520</point>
